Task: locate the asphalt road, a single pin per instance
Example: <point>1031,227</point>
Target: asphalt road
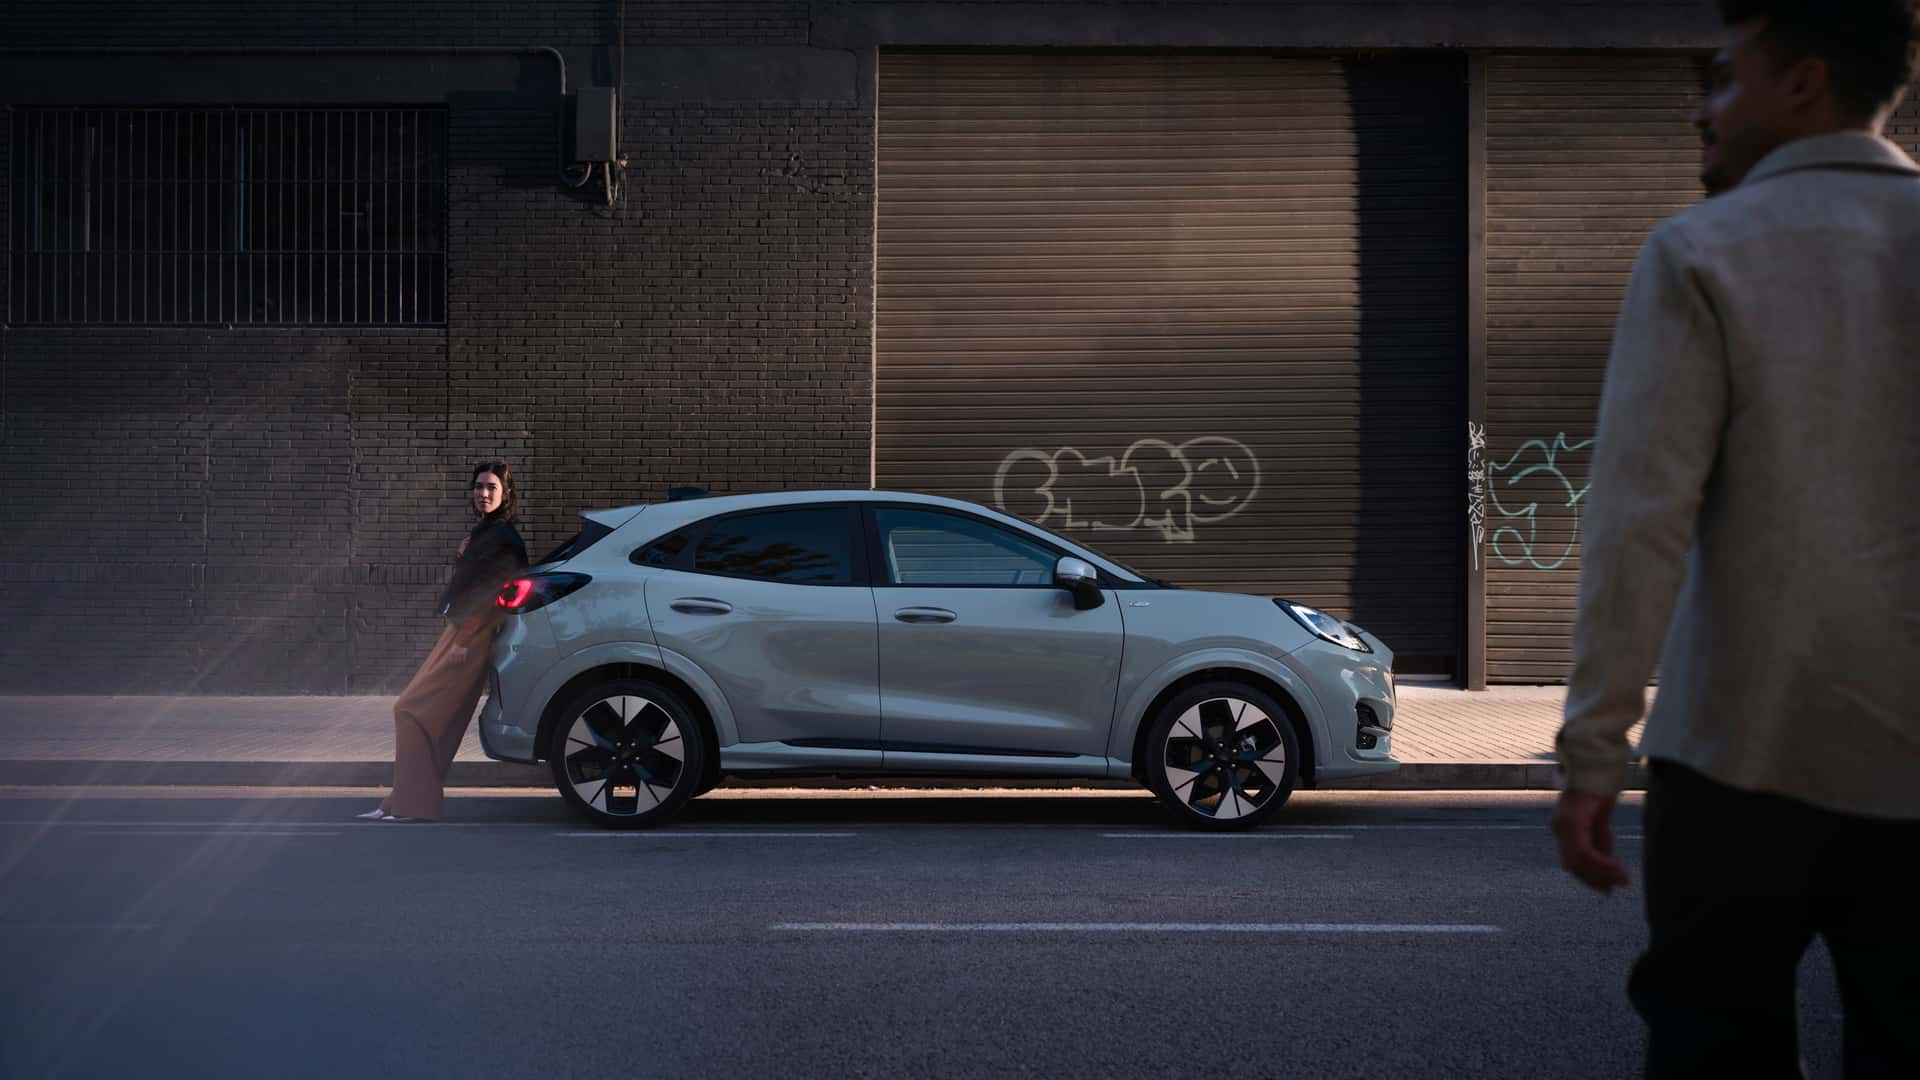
<point>1362,935</point>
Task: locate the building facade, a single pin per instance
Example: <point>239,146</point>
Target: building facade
<point>1309,299</point>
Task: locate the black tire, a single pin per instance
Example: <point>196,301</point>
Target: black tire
<point>613,749</point>
<point>1222,756</point>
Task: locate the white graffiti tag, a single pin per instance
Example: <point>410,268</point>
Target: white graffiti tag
<point>1155,484</point>
<point>1514,547</point>
<point>1476,487</point>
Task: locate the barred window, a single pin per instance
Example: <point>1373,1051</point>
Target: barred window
<point>227,217</point>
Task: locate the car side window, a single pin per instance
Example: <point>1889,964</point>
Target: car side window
<point>930,548</point>
<point>662,552</point>
<point>804,547</point>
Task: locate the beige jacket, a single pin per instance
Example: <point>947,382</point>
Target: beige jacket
<point>1756,481</point>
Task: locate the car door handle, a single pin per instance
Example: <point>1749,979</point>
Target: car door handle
<point>924,614</point>
<point>700,605</point>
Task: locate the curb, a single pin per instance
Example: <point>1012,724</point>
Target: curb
<point>1414,776</point>
<point>99,773</point>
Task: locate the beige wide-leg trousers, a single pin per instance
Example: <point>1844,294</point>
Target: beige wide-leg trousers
<point>429,720</point>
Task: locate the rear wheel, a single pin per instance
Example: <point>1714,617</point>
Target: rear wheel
<point>1222,755</point>
<point>627,754</point>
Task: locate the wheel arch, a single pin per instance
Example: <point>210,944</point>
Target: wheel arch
<point>628,669</point>
<point>1303,733</point>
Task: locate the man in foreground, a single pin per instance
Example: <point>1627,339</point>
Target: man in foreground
<point>1756,480</point>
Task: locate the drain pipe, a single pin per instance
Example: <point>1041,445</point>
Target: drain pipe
<point>559,61</point>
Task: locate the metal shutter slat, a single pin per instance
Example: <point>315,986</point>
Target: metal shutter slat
<point>1097,252</point>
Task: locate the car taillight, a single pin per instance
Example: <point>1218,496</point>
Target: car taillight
<point>522,595</point>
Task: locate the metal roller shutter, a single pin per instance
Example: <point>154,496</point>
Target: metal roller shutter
<point>1205,313</point>
<point>1585,154</point>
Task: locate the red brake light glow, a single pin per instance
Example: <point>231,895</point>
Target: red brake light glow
<point>514,593</point>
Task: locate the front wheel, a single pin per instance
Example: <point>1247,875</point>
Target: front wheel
<point>1222,755</point>
<point>627,754</point>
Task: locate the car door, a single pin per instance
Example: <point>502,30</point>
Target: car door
<point>979,652</point>
<point>774,606</point>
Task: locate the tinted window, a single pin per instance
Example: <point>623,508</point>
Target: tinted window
<point>661,552</point>
<point>809,547</point>
<point>925,548</point>
<point>590,534</point>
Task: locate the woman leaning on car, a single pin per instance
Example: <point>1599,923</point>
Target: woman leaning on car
<point>431,716</point>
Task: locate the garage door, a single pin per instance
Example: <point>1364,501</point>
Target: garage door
<point>1204,313</point>
<point>1585,154</point>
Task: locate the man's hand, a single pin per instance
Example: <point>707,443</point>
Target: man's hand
<point>1583,827</point>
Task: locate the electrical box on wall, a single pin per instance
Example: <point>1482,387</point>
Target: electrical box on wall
<point>596,124</point>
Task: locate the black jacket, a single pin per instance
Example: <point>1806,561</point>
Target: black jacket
<point>494,554</point>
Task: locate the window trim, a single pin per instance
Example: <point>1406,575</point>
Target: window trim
<point>1033,532</point>
<point>876,544</point>
<point>858,571</point>
<point>680,559</point>
<point>869,563</point>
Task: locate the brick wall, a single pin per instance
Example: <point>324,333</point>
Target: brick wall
<point>272,510</point>
<point>261,510</point>
<point>710,22</point>
<point>217,510</point>
<point>1904,127</point>
<point>100,23</point>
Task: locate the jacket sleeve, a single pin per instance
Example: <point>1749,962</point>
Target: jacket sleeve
<point>501,555</point>
<point>1662,414</point>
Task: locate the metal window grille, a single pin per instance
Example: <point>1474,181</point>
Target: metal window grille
<point>227,217</point>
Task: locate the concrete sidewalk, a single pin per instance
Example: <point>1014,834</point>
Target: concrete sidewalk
<point>1444,738</point>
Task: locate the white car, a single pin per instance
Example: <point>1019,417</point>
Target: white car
<point>888,634</point>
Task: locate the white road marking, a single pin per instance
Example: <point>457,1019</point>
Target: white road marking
<point>688,834</point>
<point>1223,836</point>
<point>1543,829</point>
<point>1143,928</point>
<point>44,927</point>
<point>152,823</point>
<point>209,832</point>
<point>1410,827</point>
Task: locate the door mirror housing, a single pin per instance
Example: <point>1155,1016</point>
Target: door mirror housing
<point>1079,578</point>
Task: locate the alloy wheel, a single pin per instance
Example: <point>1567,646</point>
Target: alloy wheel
<point>624,755</point>
<point>1225,758</point>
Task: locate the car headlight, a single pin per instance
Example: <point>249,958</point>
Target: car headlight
<point>1324,626</point>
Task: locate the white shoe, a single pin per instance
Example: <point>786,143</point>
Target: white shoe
<point>397,817</point>
<point>375,814</point>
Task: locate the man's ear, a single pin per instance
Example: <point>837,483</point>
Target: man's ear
<point>1806,82</point>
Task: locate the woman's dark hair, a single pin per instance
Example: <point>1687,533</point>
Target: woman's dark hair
<point>509,500</point>
<point>1869,45</point>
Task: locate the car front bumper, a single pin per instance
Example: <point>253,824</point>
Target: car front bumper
<point>1355,693</point>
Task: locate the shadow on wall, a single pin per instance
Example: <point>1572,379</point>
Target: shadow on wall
<point>1409,122</point>
<point>222,512</point>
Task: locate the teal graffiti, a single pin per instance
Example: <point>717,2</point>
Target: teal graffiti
<point>1527,517</point>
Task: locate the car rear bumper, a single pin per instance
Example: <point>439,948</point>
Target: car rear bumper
<point>509,721</point>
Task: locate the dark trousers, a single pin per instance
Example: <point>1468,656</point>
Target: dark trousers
<point>1737,884</point>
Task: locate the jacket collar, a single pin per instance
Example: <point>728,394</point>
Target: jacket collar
<point>1839,150</point>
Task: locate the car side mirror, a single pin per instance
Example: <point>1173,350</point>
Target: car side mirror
<point>1078,577</point>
